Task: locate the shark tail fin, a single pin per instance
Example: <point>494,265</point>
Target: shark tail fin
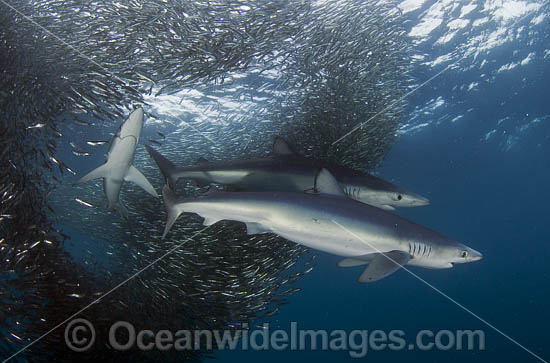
<point>99,172</point>
<point>173,208</point>
<point>166,167</point>
<point>123,211</point>
<point>120,208</point>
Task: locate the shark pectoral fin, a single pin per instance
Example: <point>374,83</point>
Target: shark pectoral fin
<point>281,147</point>
<point>135,176</point>
<point>326,183</point>
<point>100,172</point>
<point>356,261</point>
<point>384,264</point>
<point>256,228</point>
<point>351,262</point>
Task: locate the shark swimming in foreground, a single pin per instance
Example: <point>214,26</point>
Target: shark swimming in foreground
<point>288,171</point>
<point>118,166</point>
<point>329,221</point>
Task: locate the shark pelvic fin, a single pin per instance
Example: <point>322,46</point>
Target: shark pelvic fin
<point>202,161</point>
<point>99,172</point>
<point>384,264</point>
<point>135,176</point>
<point>256,228</point>
<point>120,208</point>
<point>325,183</point>
<point>166,167</point>
<point>281,147</point>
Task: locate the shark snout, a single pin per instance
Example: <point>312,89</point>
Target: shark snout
<point>421,201</point>
<point>417,200</point>
<point>473,255</point>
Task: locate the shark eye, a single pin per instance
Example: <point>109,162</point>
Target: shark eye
<point>399,197</point>
<point>464,254</point>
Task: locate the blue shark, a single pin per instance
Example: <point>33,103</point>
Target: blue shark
<point>288,171</point>
<point>118,166</point>
<point>328,220</point>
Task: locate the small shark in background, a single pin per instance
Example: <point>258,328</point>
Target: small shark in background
<point>118,166</point>
<point>329,221</point>
<point>288,171</point>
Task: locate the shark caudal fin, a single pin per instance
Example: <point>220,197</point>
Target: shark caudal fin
<point>120,208</point>
<point>123,211</point>
<point>99,172</point>
<point>173,208</point>
<point>166,167</point>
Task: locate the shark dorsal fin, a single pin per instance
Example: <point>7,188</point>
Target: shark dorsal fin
<point>201,161</point>
<point>281,147</point>
<point>326,183</point>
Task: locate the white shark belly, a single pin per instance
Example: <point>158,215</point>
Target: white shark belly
<point>275,181</point>
<point>120,157</point>
<point>118,162</point>
<point>227,176</point>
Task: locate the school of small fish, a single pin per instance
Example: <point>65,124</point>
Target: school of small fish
<point>307,71</point>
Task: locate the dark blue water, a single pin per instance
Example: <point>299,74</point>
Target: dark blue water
<point>492,199</point>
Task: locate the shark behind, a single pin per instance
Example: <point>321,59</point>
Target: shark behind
<point>118,166</point>
<point>288,171</point>
<point>329,221</point>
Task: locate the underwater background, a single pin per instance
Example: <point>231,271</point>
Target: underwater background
<point>462,117</point>
<point>476,143</point>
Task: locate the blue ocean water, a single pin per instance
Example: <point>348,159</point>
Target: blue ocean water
<point>475,141</point>
<point>491,199</point>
